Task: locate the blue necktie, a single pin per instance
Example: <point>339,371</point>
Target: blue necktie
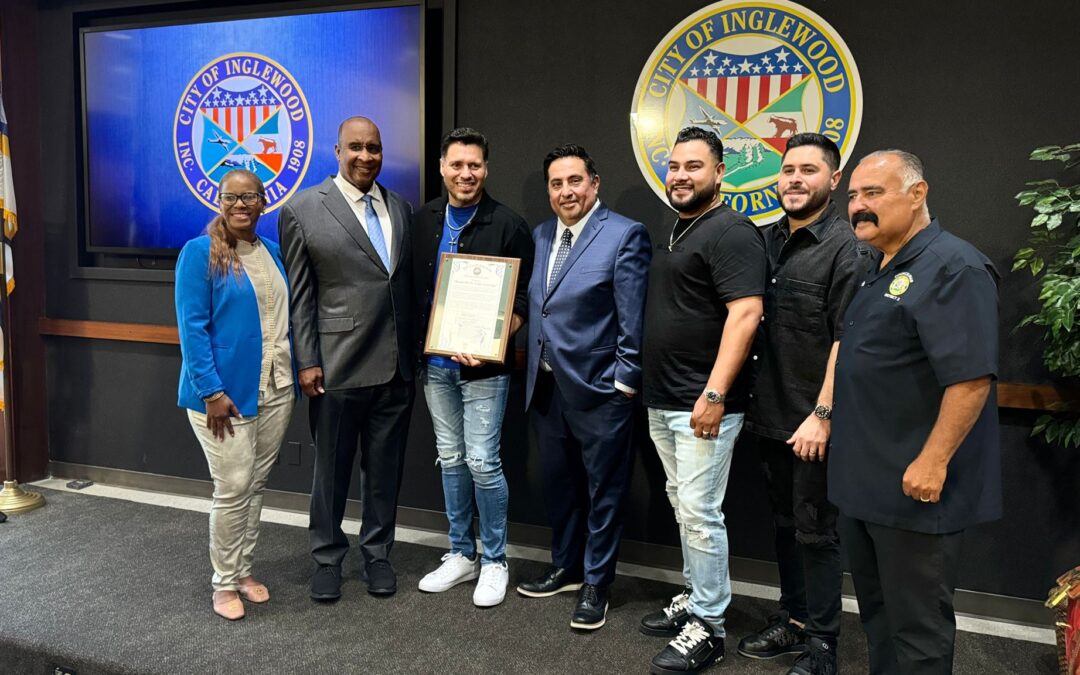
<point>374,231</point>
<point>560,258</point>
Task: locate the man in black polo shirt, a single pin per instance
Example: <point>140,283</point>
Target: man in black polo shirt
<point>813,260</point>
<point>702,310</point>
<point>915,456</point>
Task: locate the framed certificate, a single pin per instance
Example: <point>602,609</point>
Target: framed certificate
<point>473,303</point>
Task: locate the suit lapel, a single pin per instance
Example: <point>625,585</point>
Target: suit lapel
<point>583,241</point>
<point>397,226</point>
<point>338,207</point>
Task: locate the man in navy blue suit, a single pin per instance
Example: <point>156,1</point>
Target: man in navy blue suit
<point>586,308</point>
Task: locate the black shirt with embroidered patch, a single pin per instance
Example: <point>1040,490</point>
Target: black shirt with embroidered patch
<point>927,320</point>
<point>719,259</point>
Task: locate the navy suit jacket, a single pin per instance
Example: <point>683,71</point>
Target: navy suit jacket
<point>592,316</point>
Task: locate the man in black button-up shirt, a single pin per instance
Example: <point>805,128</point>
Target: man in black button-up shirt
<point>813,259</point>
<point>915,456</point>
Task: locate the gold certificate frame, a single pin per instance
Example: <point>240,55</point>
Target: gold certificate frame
<point>472,306</point>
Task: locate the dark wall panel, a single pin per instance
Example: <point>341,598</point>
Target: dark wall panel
<point>970,87</point>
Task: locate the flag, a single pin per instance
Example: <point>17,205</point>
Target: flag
<point>742,85</point>
<point>11,225</point>
<point>7,198</point>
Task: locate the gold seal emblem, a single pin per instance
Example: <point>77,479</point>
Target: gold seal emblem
<point>900,283</point>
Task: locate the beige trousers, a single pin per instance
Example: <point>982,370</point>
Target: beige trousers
<point>239,466</point>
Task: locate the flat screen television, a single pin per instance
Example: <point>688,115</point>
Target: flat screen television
<point>168,109</point>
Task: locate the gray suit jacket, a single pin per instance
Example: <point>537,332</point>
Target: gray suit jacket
<point>349,315</point>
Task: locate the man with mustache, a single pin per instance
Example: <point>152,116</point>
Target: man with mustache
<point>813,264</point>
<point>915,456</point>
<point>466,397</point>
<point>345,243</point>
<point>704,305</point>
<point>586,306</point>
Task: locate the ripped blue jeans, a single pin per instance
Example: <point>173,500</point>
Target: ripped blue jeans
<point>467,416</point>
<point>697,475</point>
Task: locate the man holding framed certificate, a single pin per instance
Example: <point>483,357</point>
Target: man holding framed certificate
<point>466,393</point>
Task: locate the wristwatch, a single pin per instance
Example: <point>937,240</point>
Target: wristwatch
<point>823,412</point>
<point>713,396</point>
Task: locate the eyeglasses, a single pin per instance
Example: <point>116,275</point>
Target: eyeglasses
<point>249,198</point>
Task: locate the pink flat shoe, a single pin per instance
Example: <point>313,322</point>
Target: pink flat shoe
<point>231,609</point>
<point>256,593</point>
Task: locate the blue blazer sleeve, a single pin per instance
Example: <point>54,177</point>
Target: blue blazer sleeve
<point>630,283</point>
<point>194,302</point>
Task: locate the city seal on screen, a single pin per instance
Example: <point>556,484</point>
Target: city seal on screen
<point>242,111</point>
<point>756,74</point>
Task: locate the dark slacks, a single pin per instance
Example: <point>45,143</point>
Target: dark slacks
<point>586,459</point>
<point>807,544</point>
<point>904,582</point>
<point>378,418</point>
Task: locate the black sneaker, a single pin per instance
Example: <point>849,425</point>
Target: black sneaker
<point>553,580</point>
<point>695,648</point>
<point>591,609</point>
<point>381,578</point>
<point>820,659</point>
<point>779,637</point>
<point>326,583</point>
<point>667,622</point>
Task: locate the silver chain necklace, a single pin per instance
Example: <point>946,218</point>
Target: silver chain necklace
<point>672,239</point>
<point>455,232</point>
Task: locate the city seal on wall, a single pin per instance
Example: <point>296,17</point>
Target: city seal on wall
<point>242,111</point>
<point>755,73</point>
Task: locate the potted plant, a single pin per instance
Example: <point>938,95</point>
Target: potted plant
<point>1053,256</point>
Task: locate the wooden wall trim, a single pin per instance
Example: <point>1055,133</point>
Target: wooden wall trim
<point>107,330</point>
<point>1012,395</point>
<point>1046,397</point>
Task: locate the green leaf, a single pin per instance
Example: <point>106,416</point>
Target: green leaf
<point>1039,220</point>
<point>1036,266</point>
<point>1053,221</point>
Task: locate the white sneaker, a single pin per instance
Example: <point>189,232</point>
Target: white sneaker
<point>491,589</point>
<point>455,569</point>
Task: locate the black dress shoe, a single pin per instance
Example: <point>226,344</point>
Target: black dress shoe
<point>819,659</point>
<point>554,580</point>
<point>326,583</point>
<point>695,648</point>
<point>667,622</point>
<point>779,637</point>
<point>381,579</point>
<point>591,609</point>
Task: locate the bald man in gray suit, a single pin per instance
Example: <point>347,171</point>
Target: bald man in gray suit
<point>346,249</point>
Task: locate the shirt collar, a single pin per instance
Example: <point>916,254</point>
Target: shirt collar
<point>577,227</point>
<point>819,228</point>
<point>911,249</point>
<point>353,193</point>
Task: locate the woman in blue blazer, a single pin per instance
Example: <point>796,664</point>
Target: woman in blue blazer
<point>237,380</point>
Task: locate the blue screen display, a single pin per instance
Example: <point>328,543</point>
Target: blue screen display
<point>170,109</point>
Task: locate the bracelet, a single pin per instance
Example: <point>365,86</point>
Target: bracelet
<point>214,397</point>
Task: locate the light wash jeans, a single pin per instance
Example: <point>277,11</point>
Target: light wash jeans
<point>467,416</point>
<point>240,466</point>
<point>697,475</point>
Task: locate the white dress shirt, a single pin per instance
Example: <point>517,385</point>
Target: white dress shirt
<point>353,195</point>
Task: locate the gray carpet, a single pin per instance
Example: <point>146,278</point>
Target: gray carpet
<point>99,585</point>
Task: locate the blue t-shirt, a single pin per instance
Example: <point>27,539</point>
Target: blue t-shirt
<point>457,217</point>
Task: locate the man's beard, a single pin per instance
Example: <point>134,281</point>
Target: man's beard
<point>814,201</point>
<point>700,198</point>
